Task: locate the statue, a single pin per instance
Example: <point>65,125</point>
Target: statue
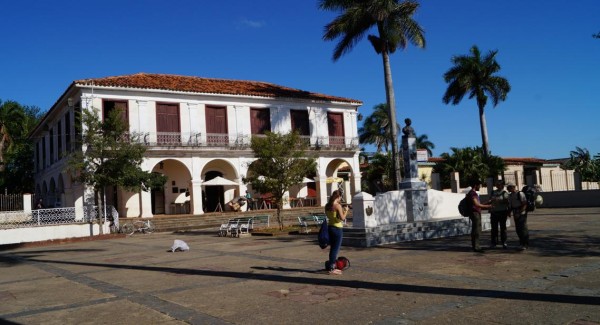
<point>408,130</point>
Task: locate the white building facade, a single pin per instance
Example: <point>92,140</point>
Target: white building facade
<point>196,129</point>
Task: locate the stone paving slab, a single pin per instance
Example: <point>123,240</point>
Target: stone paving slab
<point>279,280</point>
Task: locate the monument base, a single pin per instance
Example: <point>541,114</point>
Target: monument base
<point>411,231</point>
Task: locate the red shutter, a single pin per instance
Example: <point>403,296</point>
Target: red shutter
<point>300,122</point>
<point>335,123</point>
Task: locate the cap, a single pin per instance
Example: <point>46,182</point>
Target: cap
<point>509,184</point>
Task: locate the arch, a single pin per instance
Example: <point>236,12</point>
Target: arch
<point>340,169</point>
<point>60,191</point>
<point>44,193</point>
<point>213,196</point>
<point>174,197</point>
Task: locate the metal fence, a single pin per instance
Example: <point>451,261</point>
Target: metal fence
<point>11,202</point>
<point>54,216</point>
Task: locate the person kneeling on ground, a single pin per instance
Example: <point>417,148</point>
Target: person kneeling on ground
<point>237,203</point>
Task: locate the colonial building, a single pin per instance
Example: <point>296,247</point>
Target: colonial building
<point>196,129</point>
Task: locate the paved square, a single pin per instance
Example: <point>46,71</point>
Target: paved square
<point>278,280</point>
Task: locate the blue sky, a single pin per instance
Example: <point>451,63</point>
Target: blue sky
<point>546,51</point>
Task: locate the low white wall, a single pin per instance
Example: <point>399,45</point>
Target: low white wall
<point>33,234</point>
<point>390,207</point>
<point>443,205</point>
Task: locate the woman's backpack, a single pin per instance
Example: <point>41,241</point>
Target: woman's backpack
<point>465,206</point>
<point>323,236</point>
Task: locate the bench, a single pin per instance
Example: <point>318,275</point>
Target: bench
<point>308,222</point>
<point>261,221</point>
<point>244,225</point>
<point>226,228</point>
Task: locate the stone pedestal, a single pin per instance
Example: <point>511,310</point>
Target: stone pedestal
<point>415,190</point>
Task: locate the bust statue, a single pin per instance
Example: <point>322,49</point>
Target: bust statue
<point>408,130</point>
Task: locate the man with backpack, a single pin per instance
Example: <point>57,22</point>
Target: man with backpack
<point>499,213</point>
<point>518,209</point>
<point>475,215</point>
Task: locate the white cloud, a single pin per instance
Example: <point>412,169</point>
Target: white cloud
<point>252,23</point>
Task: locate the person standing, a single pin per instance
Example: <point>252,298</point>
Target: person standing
<point>249,200</point>
<point>499,213</point>
<point>475,216</point>
<point>336,215</point>
<point>518,209</point>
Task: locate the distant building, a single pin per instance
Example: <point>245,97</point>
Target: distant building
<point>196,129</point>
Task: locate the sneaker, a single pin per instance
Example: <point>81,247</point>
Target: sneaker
<point>478,250</point>
<point>504,246</point>
<point>522,248</point>
<point>493,246</point>
<point>335,272</point>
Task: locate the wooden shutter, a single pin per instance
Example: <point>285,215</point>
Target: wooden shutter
<point>335,122</point>
<point>167,123</point>
<point>260,120</point>
<point>300,122</point>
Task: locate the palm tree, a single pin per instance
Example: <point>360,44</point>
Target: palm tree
<point>423,142</point>
<point>476,75</point>
<point>581,161</point>
<point>11,117</point>
<point>377,129</point>
<point>396,28</point>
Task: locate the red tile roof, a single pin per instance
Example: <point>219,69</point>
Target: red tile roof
<point>209,86</point>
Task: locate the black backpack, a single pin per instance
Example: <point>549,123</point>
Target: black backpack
<point>530,194</point>
<point>465,206</point>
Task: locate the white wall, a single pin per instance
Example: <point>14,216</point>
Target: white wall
<point>33,234</point>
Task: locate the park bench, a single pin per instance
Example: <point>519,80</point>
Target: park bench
<point>311,221</point>
<point>227,228</point>
<point>261,222</point>
<point>244,225</point>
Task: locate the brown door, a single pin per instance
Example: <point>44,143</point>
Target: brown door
<point>216,125</point>
<point>167,124</point>
<point>300,122</point>
<point>335,123</point>
<point>260,120</point>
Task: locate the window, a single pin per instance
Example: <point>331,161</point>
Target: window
<point>335,122</point>
<point>167,124</point>
<point>260,120</point>
<point>68,131</point>
<point>51,146</point>
<point>59,139</point>
<point>216,125</point>
<point>110,105</point>
<point>300,122</point>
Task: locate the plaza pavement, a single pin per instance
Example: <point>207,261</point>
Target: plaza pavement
<point>278,280</point>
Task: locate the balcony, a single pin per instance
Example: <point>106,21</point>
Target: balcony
<point>240,141</point>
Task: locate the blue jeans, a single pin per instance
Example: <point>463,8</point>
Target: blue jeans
<point>335,242</point>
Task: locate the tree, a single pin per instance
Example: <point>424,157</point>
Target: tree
<point>281,162</point>
<point>476,75</point>
<point>396,28</point>
<point>17,176</point>
<point>377,129</point>
<point>11,120</point>
<point>377,177</point>
<point>581,161</point>
<point>110,157</point>
<point>470,164</point>
<point>422,142</point>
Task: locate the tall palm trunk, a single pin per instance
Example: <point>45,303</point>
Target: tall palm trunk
<point>391,101</point>
<point>484,134</point>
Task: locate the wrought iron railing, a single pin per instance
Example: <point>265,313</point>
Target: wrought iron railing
<point>54,216</point>
<point>239,141</point>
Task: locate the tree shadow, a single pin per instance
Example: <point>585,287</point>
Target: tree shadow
<point>355,284</point>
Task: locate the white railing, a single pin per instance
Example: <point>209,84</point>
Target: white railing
<point>55,216</point>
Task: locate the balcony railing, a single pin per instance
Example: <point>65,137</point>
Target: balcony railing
<point>240,141</point>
